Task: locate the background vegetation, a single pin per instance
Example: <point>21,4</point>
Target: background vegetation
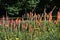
<point>17,7</point>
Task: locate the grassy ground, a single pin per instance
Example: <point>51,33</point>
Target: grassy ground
<point>44,31</point>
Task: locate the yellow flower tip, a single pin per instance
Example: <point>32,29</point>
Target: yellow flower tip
<point>10,39</point>
<point>17,38</point>
<point>6,39</point>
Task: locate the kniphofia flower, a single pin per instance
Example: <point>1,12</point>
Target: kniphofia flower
<point>3,17</point>
<point>35,16</point>
<point>19,21</point>
<point>7,18</point>
<point>23,26</point>
<point>0,23</point>
<point>50,16</point>
<point>6,25</point>
<point>47,17</point>
<point>56,21</point>
<point>15,27</point>
<point>22,19</point>
<point>30,29</point>
<point>11,21</point>
<point>40,20</point>
<point>30,14</point>
<point>58,15</point>
<point>26,25</point>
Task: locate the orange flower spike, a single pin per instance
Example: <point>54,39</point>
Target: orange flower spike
<point>3,18</point>
<point>0,23</point>
<point>30,29</point>
<point>26,25</point>
<point>22,19</point>
<point>15,28</point>
<point>58,15</point>
<point>6,25</point>
<point>7,18</point>
<point>56,21</point>
<point>50,16</point>
<point>23,26</point>
<point>11,21</point>
<point>17,20</point>
<point>49,20</point>
<point>41,19</point>
<point>27,14</point>
<point>30,14</point>
<point>47,17</point>
<point>14,24</point>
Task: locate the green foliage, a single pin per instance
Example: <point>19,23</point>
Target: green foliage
<point>47,31</point>
<point>14,6</point>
